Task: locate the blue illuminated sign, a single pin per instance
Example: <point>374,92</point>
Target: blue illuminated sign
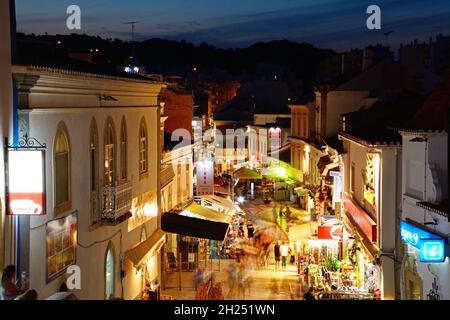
<point>432,250</point>
<point>412,235</point>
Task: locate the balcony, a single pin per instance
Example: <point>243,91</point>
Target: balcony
<point>116,203</point>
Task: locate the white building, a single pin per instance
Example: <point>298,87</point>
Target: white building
<point>425,197</point>
<point>371,197</point>
<point>6,127</point>
<point>101,164</point>
<point>176,185</point>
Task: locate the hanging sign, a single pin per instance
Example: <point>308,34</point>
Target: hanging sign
<point>329,232</point>
<point>205,177</point>
<point>432,250</point>
<point>412,234</point>
<point>26,182</point>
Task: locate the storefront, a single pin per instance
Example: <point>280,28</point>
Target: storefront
<point>145,261</point>
<point>424,261</point>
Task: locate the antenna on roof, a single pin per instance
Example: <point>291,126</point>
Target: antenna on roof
<point>133,23</point>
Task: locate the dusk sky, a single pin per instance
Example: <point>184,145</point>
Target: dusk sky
<point>335,24</point>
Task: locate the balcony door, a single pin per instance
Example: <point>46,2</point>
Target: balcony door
<point>109,163</point>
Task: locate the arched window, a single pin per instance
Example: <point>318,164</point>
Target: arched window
<point>123,150</point>
<point>109,167</point>
<point>62,169</point>
<point>143,148</point>
<point>110,269</point>
<point>93,159</point>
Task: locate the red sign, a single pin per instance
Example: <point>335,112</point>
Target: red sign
<point>26,182</point>
<point>330,232</point>
<point>361,218</point>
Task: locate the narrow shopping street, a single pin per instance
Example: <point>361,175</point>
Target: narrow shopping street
<point>267,283</point>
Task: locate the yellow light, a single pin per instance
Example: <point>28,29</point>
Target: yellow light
<point>280,171</point>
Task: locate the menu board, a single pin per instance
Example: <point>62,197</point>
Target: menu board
<point>61,239</point>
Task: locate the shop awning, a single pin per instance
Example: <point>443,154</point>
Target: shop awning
<point>334,166</point>
<point>226,203</point>
<point>197,221</point>
<point>145,249</point>
<point>221,190</point>
<point>301,191</point>
<point>246,173</point>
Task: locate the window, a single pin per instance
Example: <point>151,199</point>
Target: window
<point>109,272</point>
<point>188,179</point>
<point>352,178</point>
<point>305,124</point>
<point>143,147</point>
<point>123,150</point>
<point>61,157</point>
<point>93,159</point>
<point>143,234</point>
<point>109,164</point>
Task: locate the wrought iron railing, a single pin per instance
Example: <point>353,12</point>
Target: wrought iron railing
<point>116,201</point>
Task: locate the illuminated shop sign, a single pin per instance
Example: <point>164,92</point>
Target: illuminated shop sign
<point>205,177</point>
<point>432,250</point>
<point>431,246</point>
<point>329,232</point>
<point>412,235</point>
<point>26,182</point>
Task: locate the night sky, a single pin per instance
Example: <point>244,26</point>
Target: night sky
<point>335,24</point>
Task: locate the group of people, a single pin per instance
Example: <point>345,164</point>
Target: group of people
<point>283,251</point>
<point>250,230</point>
<point>15,289</point>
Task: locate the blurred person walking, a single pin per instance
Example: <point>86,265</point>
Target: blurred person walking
<point>277,254</point>
<point>284,250</point>
<point>9,289</point>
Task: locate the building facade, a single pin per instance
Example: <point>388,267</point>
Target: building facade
<point>7,249</point>
<point>94,183</point>
<point>371,196</point>
<point>424,192</point>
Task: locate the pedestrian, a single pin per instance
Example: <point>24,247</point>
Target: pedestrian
<point>9,290</point>
<point>199,274</point>
<point>276,252</point>
<point>291,255</point>
<point>250,230</point>
<point>310,294</point>
<point>288,213</point>
<point>284,250</point>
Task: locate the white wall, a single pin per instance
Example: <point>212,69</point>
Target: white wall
<point>6,103</point>
<point>340,102</point>
<point>388,203</point>
<point>186,178</point>
<point>413,189</point>
<point>43,126</point>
